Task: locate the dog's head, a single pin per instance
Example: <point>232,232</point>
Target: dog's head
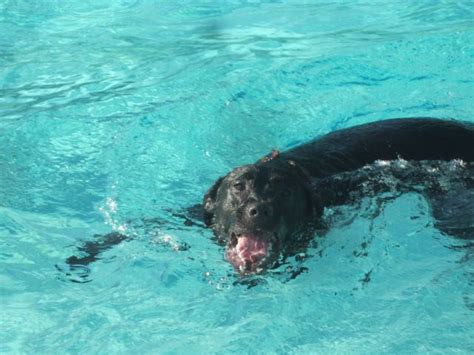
<point>260,211</point>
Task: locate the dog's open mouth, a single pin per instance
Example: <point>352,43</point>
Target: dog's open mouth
<point>248,252</point>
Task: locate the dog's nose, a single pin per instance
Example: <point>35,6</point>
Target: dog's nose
<point>257,210</point>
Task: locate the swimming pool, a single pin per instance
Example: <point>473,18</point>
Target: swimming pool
<point>114,112</point>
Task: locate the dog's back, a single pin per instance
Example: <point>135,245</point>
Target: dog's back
<point>410,139</point>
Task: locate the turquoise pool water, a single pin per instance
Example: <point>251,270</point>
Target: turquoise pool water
<point>112,112</point>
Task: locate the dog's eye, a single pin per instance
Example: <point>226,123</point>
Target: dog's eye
<point>239,186</point>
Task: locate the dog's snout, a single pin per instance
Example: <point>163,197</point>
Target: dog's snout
<point>259,210</point>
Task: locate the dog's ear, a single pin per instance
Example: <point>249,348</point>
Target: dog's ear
<point>210,202</point>
<point>316,206</point>
<point>314,199</point>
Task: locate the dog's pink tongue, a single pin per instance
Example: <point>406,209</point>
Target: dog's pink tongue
<point>250,248</point>
<point>247,254</point>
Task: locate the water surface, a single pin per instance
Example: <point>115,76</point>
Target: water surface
<point>112,112</point>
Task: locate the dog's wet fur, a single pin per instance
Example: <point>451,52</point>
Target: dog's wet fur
<point>271,208</point>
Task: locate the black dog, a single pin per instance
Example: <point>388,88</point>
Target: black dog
<point>271,208</point>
